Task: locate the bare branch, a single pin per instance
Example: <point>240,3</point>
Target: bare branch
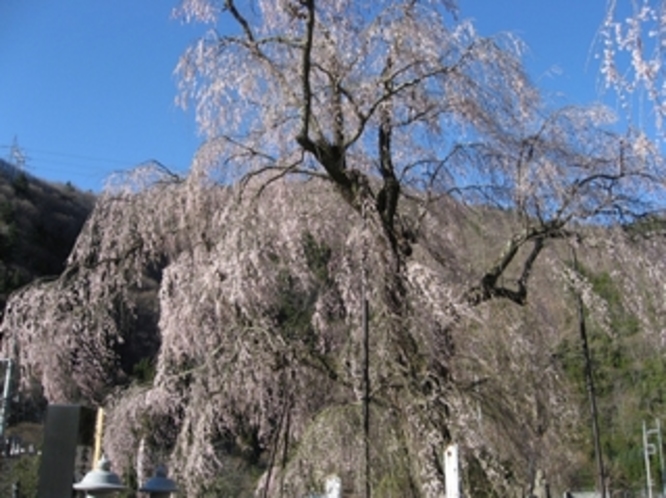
<point>489,288</point>
<point>231,6</point>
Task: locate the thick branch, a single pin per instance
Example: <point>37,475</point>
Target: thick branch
<point>388,196</point>
<point>306,66</point>
<point>489,289</point>
<point>330,156</point>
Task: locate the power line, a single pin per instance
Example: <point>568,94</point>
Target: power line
<point>32,151</point>
<point>63,165</point>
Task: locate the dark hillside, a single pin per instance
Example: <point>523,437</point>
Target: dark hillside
<point>39,223</point>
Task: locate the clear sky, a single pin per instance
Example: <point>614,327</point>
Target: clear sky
<point>87,86</point>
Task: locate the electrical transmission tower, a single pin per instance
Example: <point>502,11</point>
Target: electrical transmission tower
<point>17,156</point>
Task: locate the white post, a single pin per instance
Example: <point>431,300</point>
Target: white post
<point>452,472</point>
<point>333,487</point>
<point>648,449</point>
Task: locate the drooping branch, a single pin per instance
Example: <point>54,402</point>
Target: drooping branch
<point>365,116</point>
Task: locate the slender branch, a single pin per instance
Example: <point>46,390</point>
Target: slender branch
<point>253,152</point>
<point>281,172</point>
<point>395,90</point>
<point>231,6</point>
<point>253,44</point>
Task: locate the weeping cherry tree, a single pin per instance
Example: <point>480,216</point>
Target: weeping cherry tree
<point>397,104</point>
<point>397,120</point>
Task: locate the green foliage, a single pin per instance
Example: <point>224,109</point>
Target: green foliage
<point>21,184</point>
<point>317,256</point>
<point>143,371</point>
<point>238,480</point>
<point>23,471</point>
<point>623,323</point>
<point>294,308</point>
<point>130,480</point>
<point>475,481</point>
<point>295,303</point>
<point>234,485</point>
<point>645,227</point>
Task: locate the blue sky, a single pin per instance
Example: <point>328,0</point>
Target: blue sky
<point>87,86</point>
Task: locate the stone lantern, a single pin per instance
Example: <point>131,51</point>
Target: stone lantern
<point>159,486</point>
<point>100,481</point>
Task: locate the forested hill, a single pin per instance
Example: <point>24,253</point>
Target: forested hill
<point>39,223</point>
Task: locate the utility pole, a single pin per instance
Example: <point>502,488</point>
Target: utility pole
<point>651,449</point>
<point>366,348</point>
<point>662,471</point>
<point>589,383</point>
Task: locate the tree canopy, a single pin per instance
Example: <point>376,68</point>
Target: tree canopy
<point>388,99</point>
